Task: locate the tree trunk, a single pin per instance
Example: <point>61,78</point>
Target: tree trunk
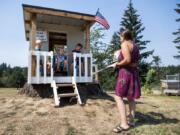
<point>37,90</point>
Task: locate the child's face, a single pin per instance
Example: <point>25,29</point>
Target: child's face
<point>38,45</point>
<point>78,48</point>
<point>61,51</point>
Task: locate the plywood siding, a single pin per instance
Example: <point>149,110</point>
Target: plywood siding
<point>74,34</point>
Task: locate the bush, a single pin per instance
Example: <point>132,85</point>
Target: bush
<point>147,89</point>
<point>150,79</point>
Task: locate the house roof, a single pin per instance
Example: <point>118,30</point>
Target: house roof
<point>38,8</point>
<point>54,16</point>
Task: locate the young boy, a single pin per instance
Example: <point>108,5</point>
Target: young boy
<point>61,60</point>
<point>77,49</point>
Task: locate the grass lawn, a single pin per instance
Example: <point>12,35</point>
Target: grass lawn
<point>8,91</point>
<point>21,115</point>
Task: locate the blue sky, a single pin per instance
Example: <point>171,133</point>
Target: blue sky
<point>158,16</point>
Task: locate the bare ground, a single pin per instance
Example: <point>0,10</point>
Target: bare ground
<point>21,115</point>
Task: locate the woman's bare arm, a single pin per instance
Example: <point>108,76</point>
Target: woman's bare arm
<point>127,56</point>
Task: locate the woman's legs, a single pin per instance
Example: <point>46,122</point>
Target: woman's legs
<point>132,107</point>
<point>65,65</point>
<point>71,69</point>
<point>58,65</point>
<point>122,111</point>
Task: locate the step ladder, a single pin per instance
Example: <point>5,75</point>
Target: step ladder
<point>57,96</point>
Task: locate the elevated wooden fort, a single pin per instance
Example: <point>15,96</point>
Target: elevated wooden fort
<point>58,28</point>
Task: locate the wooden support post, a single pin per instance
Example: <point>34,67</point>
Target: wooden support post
<point>33,30</point>
<point>33,41</point>
<point>87,37</point>
<point>29,67</point>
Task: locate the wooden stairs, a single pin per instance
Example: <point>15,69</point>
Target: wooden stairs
<point>62,94</point>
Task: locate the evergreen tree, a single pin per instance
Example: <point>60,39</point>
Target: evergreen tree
<point>156,64</point>
<point>177,40</point>
<point>114,45</point>
<point>12,77</point>
<point>101,53</point>
<point>131,21</point>
<point>98,47</point>
<point>115,41</point>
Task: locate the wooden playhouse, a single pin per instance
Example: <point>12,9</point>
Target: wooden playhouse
<point>58,28</point>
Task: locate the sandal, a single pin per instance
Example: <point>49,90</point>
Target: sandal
<point>119,129</point>
<point>131,124</point>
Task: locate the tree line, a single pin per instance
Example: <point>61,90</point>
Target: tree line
<point>12,76</point>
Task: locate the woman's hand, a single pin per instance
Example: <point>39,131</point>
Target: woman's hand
<point>114,65</point>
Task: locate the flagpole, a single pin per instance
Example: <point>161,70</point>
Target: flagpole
<point>97,11</point>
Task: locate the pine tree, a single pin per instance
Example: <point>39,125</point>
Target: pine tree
<point>98,47</point>
<point>156,63</point>
<point>101,53</point>
<point>115,41</point>
<point>131,21</point>
<point>177,40</point>
<point>114,45</point>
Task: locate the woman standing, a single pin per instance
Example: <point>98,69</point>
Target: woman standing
<point>128,84</point>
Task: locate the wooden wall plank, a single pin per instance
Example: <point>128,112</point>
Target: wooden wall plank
<point>87,38</point>
<point>33,41</point>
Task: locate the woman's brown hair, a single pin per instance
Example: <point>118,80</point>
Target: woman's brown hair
<point>127,35</point>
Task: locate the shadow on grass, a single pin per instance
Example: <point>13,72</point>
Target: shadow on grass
<point>93,91</point>
<point>154,106</point>
<point>153,118</point>
<point>68,101</point>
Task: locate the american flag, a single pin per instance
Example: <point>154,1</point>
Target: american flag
<point>101,20</point>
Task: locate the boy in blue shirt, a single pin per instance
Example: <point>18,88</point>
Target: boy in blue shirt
<point>61,60</point>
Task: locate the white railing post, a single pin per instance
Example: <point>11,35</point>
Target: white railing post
<point>52,71</point>
<point>91,68</point>
<point>79,69</point>
<point>45,70</point>
<point>74,66</point>
<point>38,69</point>
<point>29,67</point>
<point>96,69</point>
<point>85,66</point>
<point>37,66</point>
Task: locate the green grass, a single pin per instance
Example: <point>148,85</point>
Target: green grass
<point>71,131</point>
<point>8,91</point>
<point>156,115</point>
<point>163,97</point>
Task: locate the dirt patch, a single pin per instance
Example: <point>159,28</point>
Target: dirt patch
<point>24,115</point>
